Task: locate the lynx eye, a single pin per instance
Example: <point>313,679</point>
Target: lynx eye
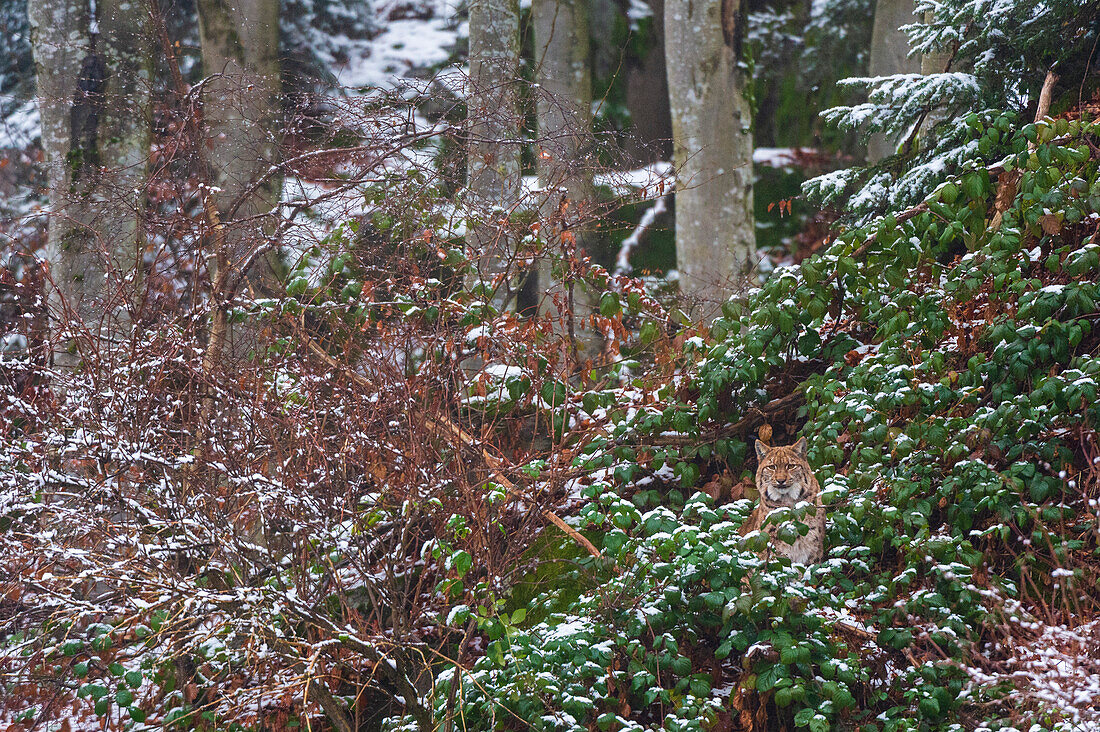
<point>769,468</point>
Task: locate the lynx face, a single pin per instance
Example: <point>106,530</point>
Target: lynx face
<point>784,477</point>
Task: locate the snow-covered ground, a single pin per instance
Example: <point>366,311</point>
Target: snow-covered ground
<point>18,124</point>
<point>404,45</point>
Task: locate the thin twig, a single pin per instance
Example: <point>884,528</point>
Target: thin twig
<point>443,425</point>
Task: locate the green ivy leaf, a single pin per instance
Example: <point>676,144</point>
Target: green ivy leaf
<point>688,474</point>
<point>462,562</point>
<point>766,679</point>
<point>803,717</point>
<point>929,707</point>
<point>609,304</point>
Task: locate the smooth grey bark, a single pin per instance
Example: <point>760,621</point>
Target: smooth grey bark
<point>890,55</point>
<point>712,150</point>
<point>931,63</point>
<point>493,128</point>
<point>94,97</point>
<point>934,63</point>
<point>647,99</point>
<point>241,109</point>
<point>564,97</point>
<point>564,110</point>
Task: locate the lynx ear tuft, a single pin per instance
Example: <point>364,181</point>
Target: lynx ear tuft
<point>800,448</point>
<point>761,450</point>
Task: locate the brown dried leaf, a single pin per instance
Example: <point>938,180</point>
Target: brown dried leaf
<point>1006,191</point>
<point>190,692</point>
<point>1050,224</point>
<point>713,488</point>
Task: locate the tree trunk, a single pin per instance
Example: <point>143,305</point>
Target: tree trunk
<point>890,55</point>
<point>564,108</point>
<point>933,63</point>
<point>650,137</point>
<point>712,150</point>
<point>930,64</point>
<point>493,124</point>
<point>241,109</point>
<point>94,96</point>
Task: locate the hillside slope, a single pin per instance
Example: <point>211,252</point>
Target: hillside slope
<point>943,363</point>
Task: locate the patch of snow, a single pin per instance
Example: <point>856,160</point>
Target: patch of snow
<point>775,157</point>
<point>20,127</point>
<point>403,45</point>
<point>652,181</point>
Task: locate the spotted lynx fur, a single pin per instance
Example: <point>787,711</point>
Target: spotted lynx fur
<point>784,479</point>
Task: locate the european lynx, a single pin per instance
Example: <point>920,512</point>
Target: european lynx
<point>784,479</point>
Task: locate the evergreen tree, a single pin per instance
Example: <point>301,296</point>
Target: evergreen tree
<point>996,58</point>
